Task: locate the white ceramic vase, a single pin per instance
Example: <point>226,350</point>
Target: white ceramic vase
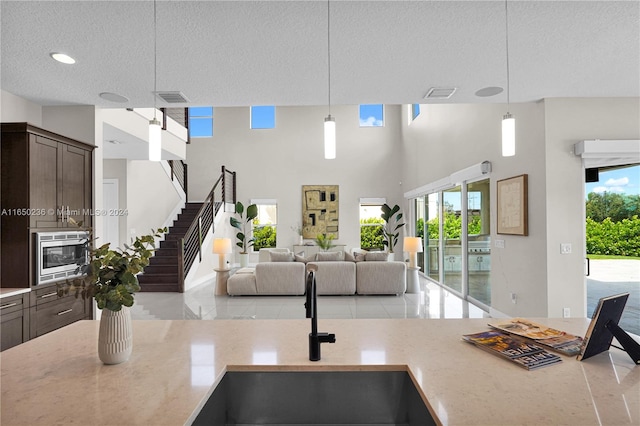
<point>115,339</point>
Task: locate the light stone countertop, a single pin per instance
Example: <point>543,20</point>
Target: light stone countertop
<point>6,292</point>
<point>58,379</point>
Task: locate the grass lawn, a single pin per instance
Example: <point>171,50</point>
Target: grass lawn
<point>604,256</point>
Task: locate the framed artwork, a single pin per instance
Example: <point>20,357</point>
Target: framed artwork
<point>512,206</point>
<point>319,210</point>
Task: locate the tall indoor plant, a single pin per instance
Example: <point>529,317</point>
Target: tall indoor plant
<point>391,217</point>
<point>241,223</point>
<point>109,277</point>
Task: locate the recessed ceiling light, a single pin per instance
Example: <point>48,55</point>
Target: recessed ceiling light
<point>62,57</point>
<point>489,91</point>
<point>113,97</point>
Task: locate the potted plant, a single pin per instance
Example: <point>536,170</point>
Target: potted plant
<point>325,241</point>
<point>241,223</point>
<point>391,217</point>
<point>109,277</point>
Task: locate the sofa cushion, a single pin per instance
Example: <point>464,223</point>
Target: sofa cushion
<point>329,256</point>
<point>335,277</point>
<point>280,278</point>
<point>281,256</point>
<point>349,257</point>
<point>264,254</point>
<point>376,256</point>
<point>299,257</point>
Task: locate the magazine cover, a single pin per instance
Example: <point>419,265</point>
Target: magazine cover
<point>551,338</point>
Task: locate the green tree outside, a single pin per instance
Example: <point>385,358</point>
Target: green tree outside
<point>371,235</point>
<point>265,237</point>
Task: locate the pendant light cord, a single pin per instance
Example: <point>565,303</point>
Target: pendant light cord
<point>506,21</point>
<point>329,52</point>
<point>155,59</point>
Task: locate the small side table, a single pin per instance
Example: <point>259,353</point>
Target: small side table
<point>222,275</point>
<point>413,281</point>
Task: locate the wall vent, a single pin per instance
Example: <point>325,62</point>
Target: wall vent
<point>440,92</point>
<point>172,97</point>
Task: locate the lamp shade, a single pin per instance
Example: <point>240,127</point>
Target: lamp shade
<point>329,138</point>
<point>508,135</point>
<point>155,140</point>
<point>222,246</point>
<point>412,244</point>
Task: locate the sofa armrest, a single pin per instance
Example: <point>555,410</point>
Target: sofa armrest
<point>381,277</point>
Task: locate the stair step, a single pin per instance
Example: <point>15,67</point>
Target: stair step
<point>146,278</point>
<point>161,269</point>
<point>163,259</point>
<point>159,288</point>
<point>170,244</point>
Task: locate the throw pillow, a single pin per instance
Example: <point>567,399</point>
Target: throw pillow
<point>328,256</point>
<point>349,257</point>
<point>379,256</point>
<point>359,255</point>
<point>299,257</point>
<point>275,256</point>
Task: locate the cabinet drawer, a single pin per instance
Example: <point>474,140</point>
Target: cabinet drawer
<point>13,304</point>
<point>47,294</point>
<point>46,317</point>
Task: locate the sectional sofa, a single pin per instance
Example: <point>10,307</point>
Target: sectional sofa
<point>338,273</point>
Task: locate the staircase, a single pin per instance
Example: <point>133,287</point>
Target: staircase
<point>182,246</point>
<point>163,272</point>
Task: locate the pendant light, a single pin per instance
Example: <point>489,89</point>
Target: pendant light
<point>508,122</point>
<point>329,121</point>
<point>155,130</point>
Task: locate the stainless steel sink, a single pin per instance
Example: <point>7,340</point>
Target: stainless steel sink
<point>315,398</point>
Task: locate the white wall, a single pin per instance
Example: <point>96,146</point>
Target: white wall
<point>14,109</point>
<point>117,169</point>
<point>568,121</point>
<point>275,163</point>
<point>447,138</point>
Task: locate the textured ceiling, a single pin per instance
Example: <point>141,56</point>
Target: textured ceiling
<point>238,53</point>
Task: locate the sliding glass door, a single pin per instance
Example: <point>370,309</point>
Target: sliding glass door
<point>459,260</point>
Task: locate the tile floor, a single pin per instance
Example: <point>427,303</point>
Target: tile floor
<point>200,303</point>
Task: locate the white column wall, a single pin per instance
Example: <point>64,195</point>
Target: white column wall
<point>568,121</point>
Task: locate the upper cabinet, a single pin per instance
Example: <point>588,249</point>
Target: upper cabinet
<point>60,183</point>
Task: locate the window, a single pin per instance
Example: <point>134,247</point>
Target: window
<point>371,224</point>
<point>264,226</point>
<point>263,117</point>
<point>371,115</point>
<point>414,112</point>
<point>201,122</point>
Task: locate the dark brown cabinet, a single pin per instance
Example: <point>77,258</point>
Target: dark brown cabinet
<point>46,178</point>
<point>49,312</point>
<point>14,320</point>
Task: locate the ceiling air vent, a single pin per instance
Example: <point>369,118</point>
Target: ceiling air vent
<point>172,97</point>
<point>440,93</point>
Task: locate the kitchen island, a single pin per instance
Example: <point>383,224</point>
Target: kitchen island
<point>58,378</point>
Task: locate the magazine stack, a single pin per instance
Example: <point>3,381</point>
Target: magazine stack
<point>527,355</point>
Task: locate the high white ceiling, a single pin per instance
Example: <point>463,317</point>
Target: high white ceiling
<point>238,53</point>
